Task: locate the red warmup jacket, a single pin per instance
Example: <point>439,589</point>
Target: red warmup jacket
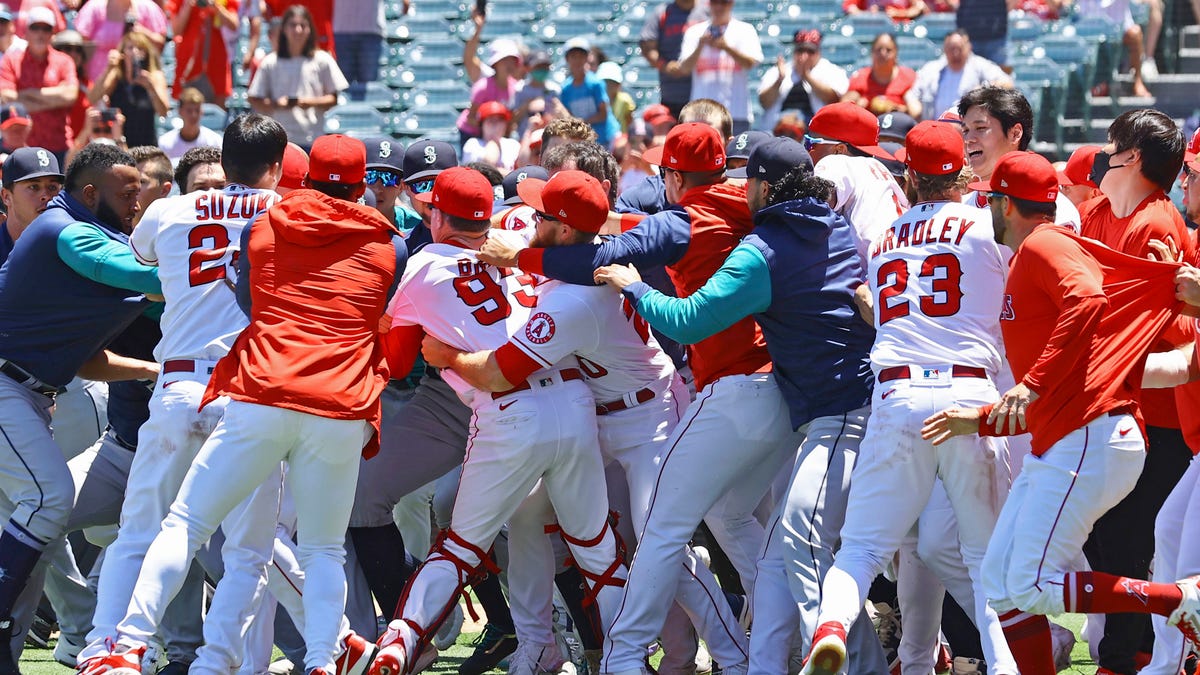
<point>320,273</point>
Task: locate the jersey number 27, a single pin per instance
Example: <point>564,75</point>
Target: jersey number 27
<point>946,300</point>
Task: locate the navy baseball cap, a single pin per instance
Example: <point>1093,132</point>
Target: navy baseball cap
<point>514,178</point>
<point>384,153</point>
<point>426,159</point>
<point>895,125</point>
<point>14,113</point>
<point>30,163</point>
<point>740,146</point>
<point>771,160</point>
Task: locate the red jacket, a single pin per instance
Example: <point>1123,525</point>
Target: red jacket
<point>320,273</point>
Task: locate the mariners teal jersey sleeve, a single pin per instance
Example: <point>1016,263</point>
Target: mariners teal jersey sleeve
<point>741,287</point>
<point>96,256</point>
<point>661,239</point>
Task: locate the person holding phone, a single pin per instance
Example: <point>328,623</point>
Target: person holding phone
<point>719,54</point>
<point>134,83</point>
<point>201,55</point>
<point>105,22</point>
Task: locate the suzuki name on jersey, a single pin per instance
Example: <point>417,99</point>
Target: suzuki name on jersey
<point>214,205</point>
<point>949,230</point>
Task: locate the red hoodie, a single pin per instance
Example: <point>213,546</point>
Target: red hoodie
<point>320,272</point>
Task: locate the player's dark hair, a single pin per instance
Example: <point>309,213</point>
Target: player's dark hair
<point>310,45</point>
<point>1009,106</point>
<point>198,155</point>
<point>589,157</point>
<point>1028,209</point>
<point>930,187</point>
<point>346,191</point>
<point>710,112</point>
<point>800,183</point>
<point>1157,137</point>
<point>489,172</point>
<point>466,224</point>
<point>92,161</point>
<point>158,165</point>
<point>252,144</point>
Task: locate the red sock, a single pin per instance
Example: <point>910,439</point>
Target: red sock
<point>1099,593</point>
<point>1028,637</point>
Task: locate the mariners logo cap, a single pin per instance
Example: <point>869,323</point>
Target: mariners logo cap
<point>14,113</point>
<point>1024,175</point>
<point>934,148</point>
<point>895,126</point>
<point>426,159</point>
<point>518,176</point>
<point>1079,167</point>
<point>385,153</point>
<point>463,192</point>
<point>773,159</point>
<point>744,143</point>
<point>851,124</point>
<point>30,163</point>
<point>691,147</point>
<point>338,159</point>
<point>295,167</point>
<point>574,197</point>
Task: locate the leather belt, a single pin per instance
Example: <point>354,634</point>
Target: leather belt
<point>628,401</point>
<point>184,366</point>
<point>27,380</point>
<point>1123,410</point>
<point>567,375</point>
<point>902,373</point>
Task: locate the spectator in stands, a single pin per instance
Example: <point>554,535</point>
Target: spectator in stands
<point>900,11</point>
<point>958,70</point>
<point>134,83</point>
<point>358,31</point>
<point>101,125</point>
<point>659,120</point>
<point>504,58</point>
<point>199,169</point>
<point>987,20</point>
<point>156,178</point>
<point>622,103</point>
<point>43,80</point>
<point>71,43</point>
<point>719,54</point>
<point>201,57</point>
<point>885,85</point>
<point>790,125</point>
<point>804,84</point>
<point>191,133</point>
<point>299,82</point>
<point>321,14</point>
<point>539,97</point>
<point>493,146</point>
<point>14,128</point>
<point>584,95</point>
<point>8,36</point>
<point>22,22</point>
<point>661,38</point>
<point>105,22</point>
<point>1136,44</point>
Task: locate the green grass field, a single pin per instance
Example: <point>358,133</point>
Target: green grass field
<point>39,661</point>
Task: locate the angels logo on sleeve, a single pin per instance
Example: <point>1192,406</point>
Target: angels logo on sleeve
<point>540,328</point>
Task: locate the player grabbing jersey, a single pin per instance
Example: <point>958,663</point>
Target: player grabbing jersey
<point>936,277</point>
<point>542,429</point>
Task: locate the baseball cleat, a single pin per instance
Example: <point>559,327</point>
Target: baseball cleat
<point>390,660</point>
<point>120,660</point>
<point>357,654</point>
<point>828,653</point>
<point>1186,617</point>
<point>535,659</point>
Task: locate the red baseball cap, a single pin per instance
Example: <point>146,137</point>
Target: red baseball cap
<point>574,197</point>
<point>338,159</point>
<point>461,192</point>
<point>658,114</point>
<point>689,147</point>
<point>295,167</point>
<point>934,148</point>
<point>493,108</point>
<point>1079,166</point>
<point>849,123</point>
<point>1193,150</point>
<point>1024,175</point>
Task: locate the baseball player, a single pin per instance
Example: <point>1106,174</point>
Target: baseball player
<point>819,349</point>
<point>543,429</point>
<point>518,217</point>
<point>640,395</point>
<point>935,276</point>
<point>1074,180</point>
<point>1066,299</point>
<point>313,408</point>
<point>66,290</point>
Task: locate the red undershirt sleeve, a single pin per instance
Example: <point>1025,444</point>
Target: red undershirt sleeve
<point>401,345</point>
<point>515,364</point>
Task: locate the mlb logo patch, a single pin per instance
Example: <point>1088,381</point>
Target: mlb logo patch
<point>930,373</point>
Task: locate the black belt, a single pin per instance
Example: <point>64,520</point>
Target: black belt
<point>25,379</point>
<point>121,441</point>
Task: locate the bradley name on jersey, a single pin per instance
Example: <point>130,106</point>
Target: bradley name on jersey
<point>934,230</point>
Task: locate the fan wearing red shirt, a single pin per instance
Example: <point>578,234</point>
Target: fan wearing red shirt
<point>200,47</point>
<point>43,79</point>
<point>1078,322</point>
<point>885,85</point>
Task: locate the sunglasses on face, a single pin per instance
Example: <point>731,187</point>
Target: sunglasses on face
<point>546,217</point>
<point>810,141</point>
<point>421,187</point>
<point>388,178</point>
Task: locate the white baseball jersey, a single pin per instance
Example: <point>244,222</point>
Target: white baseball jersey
<point>1066,214</point>
<point>463,302</point>
<point>612,343</point>
<point>519,219</point>
<point>937,276</point>
<point>867,196</point>
<point>194,239</point>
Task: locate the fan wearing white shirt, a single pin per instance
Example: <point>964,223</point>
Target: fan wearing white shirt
<point>192,134</point>
<point>806,84</point>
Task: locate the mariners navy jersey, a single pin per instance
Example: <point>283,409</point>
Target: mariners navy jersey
<point>463,302</point>
<point>937,276</point>
<point>194,239</point>
<point>612,344</point>
<point>867,196</point>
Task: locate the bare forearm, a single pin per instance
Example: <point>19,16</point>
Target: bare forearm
<point>109,367</point>
<point>480,370</point>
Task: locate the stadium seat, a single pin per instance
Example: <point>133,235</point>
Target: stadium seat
<point>1051,79</point>
<point>415,74</point>
<point>428,49</point>
<point>934,27</point>
<point>212,116</point>
<point>915,52</point>
<point>1025,29</point>
<point>421,122</point>
<point>865,26</point>
<point>842,50</point>
<point>828,9</point>
<point>354,119</point>
<point>381,96</point>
